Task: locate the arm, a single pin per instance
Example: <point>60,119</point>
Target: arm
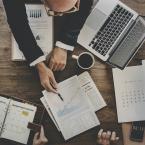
<point>67,38</point>
<point>17,19</point>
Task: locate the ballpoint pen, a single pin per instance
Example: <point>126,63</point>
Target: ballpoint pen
<point>60,96</point>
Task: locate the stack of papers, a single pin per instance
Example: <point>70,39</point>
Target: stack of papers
<point>76,112</point>
<point>129,87</point>
<point>42,29</point>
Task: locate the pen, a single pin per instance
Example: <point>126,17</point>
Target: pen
<point>60,96</point>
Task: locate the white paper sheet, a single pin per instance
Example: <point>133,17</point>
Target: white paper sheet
<point>3,108</point>
<point>130,93</point>
<point>49,111</point>
<point>91,91</point>
<point>42,27</point>
<point>15,127</point>
<point>75,114</point>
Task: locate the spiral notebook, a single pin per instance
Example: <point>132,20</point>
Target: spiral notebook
<point>14,119</point>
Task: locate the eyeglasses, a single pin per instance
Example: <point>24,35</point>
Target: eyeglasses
<point>54,13</point>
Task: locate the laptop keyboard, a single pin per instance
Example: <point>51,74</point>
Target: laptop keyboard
<point>129,45</point>
<point>110,31</point>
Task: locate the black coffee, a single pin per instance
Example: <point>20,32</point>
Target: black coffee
<point>85,60</point>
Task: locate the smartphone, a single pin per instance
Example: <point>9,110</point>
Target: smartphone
<point>137,131</point>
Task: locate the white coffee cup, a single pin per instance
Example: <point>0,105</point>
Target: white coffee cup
<point>85,60</point>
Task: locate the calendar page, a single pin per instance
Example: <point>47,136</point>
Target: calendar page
<point>3,108</point>
<point>130,93</point>
<point>18,116</point>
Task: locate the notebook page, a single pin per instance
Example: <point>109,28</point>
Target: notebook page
<point>91,91</point>
<point>130,93</point>
<point>15,127</point>
<point>75,114</point>
<point>3,109</point>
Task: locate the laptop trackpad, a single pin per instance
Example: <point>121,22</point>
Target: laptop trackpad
<point>96,19</point>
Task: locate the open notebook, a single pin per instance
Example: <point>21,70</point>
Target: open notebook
<point>14,119</point>
<point>42,29</point>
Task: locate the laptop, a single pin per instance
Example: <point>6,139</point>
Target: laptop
<point>113,32</point>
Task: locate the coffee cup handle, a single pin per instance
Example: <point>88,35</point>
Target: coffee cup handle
<point>75,57</point>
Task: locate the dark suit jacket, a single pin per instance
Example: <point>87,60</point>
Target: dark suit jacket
<point>18,22</point>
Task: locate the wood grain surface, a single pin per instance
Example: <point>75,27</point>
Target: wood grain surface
<point>18,79</point>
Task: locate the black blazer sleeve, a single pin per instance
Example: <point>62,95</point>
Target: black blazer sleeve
<point>74,22</point>
<point>18,22</point>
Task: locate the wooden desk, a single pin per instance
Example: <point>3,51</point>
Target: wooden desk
<point>17,79</point>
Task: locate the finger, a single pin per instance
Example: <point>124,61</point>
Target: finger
<point>58,67</point>
<point>36,136</point>
<point>115,141</point>
<point>53,82</point>
<point>100,133</point>
<point>104,135</point>
<point>108,135</point>
<point>51,65</point>
<point>62,67</point>
<point>55,67</point>
<point>117,138</point>
<point>49,88</point>
<point>42,141</point>
<point>42,134</point>
<point>113,136</point>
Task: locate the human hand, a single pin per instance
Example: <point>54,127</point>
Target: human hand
<point>58,59</point>
<point>47,78</point>
<point>107,138</point>
<point>39,138</point>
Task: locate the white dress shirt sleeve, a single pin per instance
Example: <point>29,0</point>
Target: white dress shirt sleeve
<point>58,44</point>
<point>64,46</point>
<point>38,60</point>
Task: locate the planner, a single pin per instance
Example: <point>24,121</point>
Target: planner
<point>75,114</point>
<point>14,119</point>
<point>42,28</point>
<point>129,87</point>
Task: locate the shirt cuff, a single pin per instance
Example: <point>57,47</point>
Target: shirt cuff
<point>64,46</point>
<point>38,60</point>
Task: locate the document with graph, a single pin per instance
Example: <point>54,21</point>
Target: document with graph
<point>14,119</point>
<point>42,28</point>
<point>129,87</point>
<point>75,113</point>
